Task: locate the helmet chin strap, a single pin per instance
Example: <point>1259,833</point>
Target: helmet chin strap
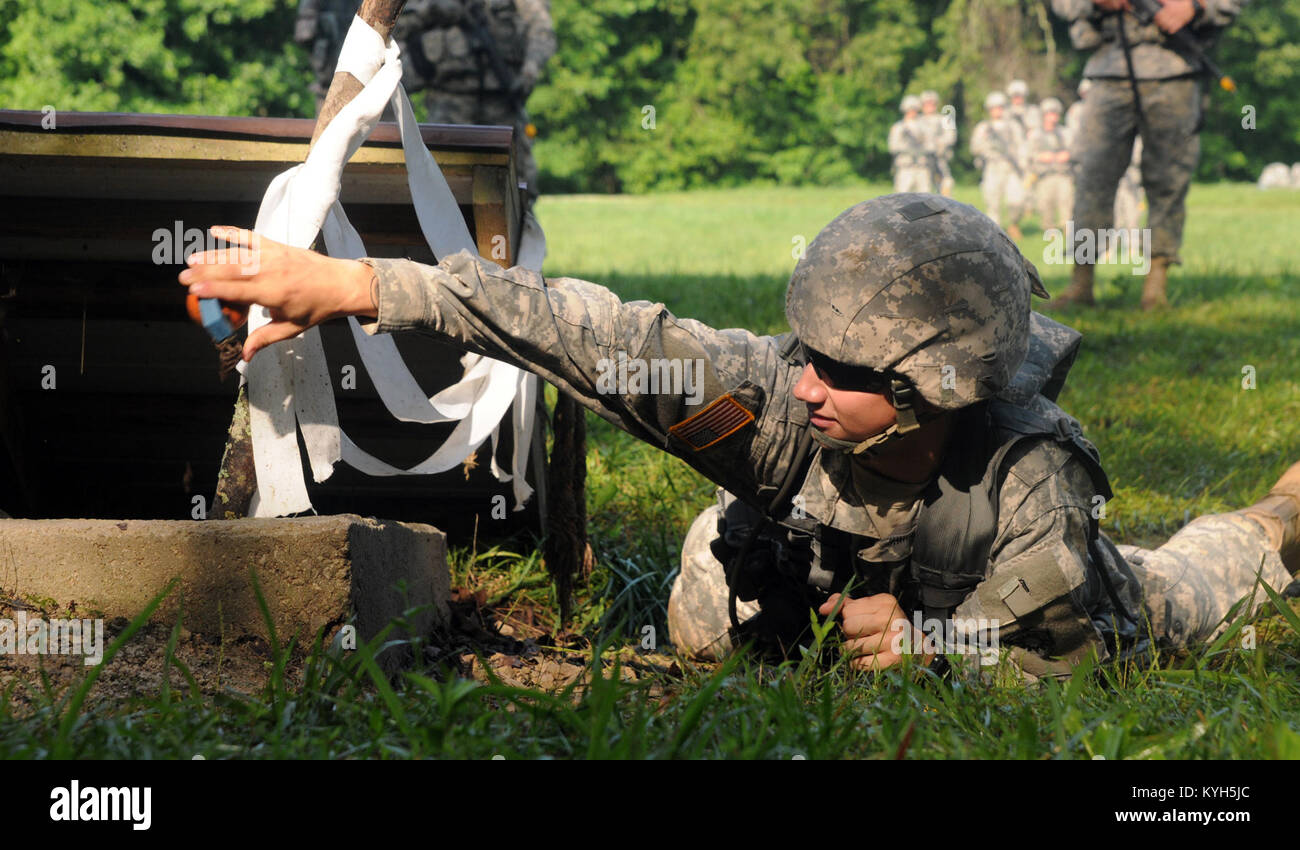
<point>905,422</point>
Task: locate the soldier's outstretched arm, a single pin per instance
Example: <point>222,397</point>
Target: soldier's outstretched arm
<point>720,399</point>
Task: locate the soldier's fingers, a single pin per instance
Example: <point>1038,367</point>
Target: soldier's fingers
<point>227,290</point>
<point>829,605</point>
<point>860,623</point>
<point>236,235</point>
<point>269,334</point>
<point>879,661</point>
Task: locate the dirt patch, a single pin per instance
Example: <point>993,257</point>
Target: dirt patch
<point>507,640</point>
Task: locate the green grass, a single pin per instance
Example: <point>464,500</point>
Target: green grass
<point>1161,395</point>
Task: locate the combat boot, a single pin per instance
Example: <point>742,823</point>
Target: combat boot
<point>1153,291</point>
<point>1080,289</point>
<point>1279,513</point>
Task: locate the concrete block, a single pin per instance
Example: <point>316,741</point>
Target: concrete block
<point>315,572</point>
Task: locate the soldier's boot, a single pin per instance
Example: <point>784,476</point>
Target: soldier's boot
<point>1279,513</point>
<point>1080,289</point>
<point>1153,290</point>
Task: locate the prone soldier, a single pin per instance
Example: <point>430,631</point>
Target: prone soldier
<point>901,444</point>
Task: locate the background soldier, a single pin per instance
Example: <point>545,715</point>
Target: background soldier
<point>1049,160</point>
<point>999,149</point>
<point>1140,84</point>
<point>910,143</point>
<point>1074,115</point>
<point>942,132</point>
<point>1019,109</point>
<point>478,61</point>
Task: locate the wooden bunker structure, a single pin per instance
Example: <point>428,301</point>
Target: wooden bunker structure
<point>110,401</point>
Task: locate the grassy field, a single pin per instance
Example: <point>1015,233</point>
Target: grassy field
<point>1162,396</point>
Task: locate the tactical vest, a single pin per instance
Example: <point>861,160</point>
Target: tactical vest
<point>958,520</point>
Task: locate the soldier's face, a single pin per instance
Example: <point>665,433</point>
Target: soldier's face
<point>995,112</point>
<point>843,414</point>
<point>929,106</point>
<point>1049,120</point>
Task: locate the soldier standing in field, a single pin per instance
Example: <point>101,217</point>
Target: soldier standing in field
<point>1074,115</point>
<point>999,149</point>
<point>1019,109</point>
<point>1141,84</point>
<point>477,62</point>
<point>910,144</point>
<point>901,445</point>
<point>942,132</point>
<point>1049,160</point>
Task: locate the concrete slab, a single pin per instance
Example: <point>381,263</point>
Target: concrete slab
<point>315,572</point>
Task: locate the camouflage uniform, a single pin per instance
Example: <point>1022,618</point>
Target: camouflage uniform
<point>1275,175</point>
<point>1024,113</point>
<point>942,133</point>
<point>911,145</point>
<point>1054,183</point>
<point>1128,195</point>
<point>1000,146</point>
<point>747,431</point>
<point>1171,100</point>
<point>446,54</point>
<point>1074,115</point>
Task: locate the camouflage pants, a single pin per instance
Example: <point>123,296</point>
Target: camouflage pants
<point>1104,145</point>
<point>912,178</point>
<point>1189,584</point>
<point>1001,184</point>
<point>1128,201</point>
<point>495,109</point>
<point>1054,196</point>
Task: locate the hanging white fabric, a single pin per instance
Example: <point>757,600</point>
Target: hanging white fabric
<point>289,386</point>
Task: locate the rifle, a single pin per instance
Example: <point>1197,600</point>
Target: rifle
<point>1182,41</point>
<point>1001,145</point>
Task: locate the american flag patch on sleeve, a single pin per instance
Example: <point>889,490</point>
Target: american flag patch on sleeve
<point>721,419</point>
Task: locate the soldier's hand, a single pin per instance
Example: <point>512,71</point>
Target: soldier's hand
<point>300,288</point>
<point>1175,15</point>
<point>874,628</point>
<point>1114,5</point>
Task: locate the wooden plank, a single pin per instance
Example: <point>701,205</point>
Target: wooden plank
<point>175,180</point>
<point>443,136</point>
<point>492,226</point>
<point>153,148</point>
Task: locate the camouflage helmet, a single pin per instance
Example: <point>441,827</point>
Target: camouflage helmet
<point>1017,88</point>
<point>929,96</point>
<point>919,287</point>
<point>995,98</point>
<point>911,103</point>
<point>1051,104</point>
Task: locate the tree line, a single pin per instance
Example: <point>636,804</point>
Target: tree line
<point>663,94</point>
